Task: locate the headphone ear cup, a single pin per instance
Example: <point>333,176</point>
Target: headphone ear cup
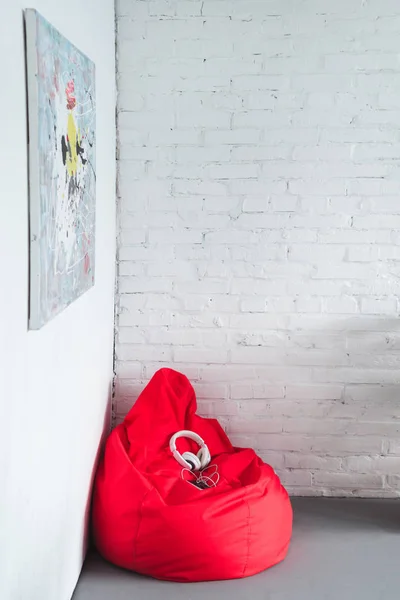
<point>204,457</point>
<point>193,460</point>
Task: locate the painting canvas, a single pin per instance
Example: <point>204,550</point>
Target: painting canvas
<point>62,170</point>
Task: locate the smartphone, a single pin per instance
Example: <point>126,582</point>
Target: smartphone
<point>198,484</point>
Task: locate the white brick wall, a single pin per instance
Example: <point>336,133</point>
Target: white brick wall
<point>259,240</point>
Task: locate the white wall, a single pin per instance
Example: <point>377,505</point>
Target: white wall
<point>259,225</point>
<point>54,383</point>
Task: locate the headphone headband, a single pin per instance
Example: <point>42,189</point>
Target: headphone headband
<point>191,435</point>
<point>188,460</point>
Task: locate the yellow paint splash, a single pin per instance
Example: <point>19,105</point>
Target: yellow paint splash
<point>72,157</point>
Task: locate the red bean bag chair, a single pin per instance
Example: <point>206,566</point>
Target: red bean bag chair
<point>148,519</point>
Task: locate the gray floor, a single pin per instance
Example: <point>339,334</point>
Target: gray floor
<point>341,550</point>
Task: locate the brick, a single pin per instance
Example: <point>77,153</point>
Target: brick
<point>260,153</point>
<point>133,286</point>
<point>232,137</point>
<point>316,188</point>
<point>258,205</point>
<point>295,478</point>
<point>331,152</point>
<point>372,187</point>
<point>385,204</point>
<point>201,155</point>
<point>307,253</point>
<point>129,370</point>
<point>273,100</point>
<point>261,82</point>
<point>169,235</point>
<point>136,351</point>
<point>295,460</point>
<point>174,137</point>
<point>345,445</point>
<point>344,305</point>
<point>199,188</point>
<point>317,426</point>
<point>232,171</point>
<point>363,253</point>
<point>260,187</point>
<point>387,465</point>
<point>372,306</point>
<point>200,355</point>
<point>188,8</point>
<point>132,237</point>
<point>245,426</point>
<point>356,135</point>
<point>378,152</point>
<point>314,392</point>
<point>201,48</point>
<point>203,118</point>
<point>353,236</point>
<point>348,480</point>
<point>308,304</point>
<point>256,118</point>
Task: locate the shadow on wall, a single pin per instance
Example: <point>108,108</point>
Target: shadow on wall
<point>323,397</point>
<point>360,356</point>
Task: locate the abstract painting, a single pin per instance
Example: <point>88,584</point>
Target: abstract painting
<point>62,170</point>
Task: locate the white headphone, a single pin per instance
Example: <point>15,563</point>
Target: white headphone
<point>188,460</point>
